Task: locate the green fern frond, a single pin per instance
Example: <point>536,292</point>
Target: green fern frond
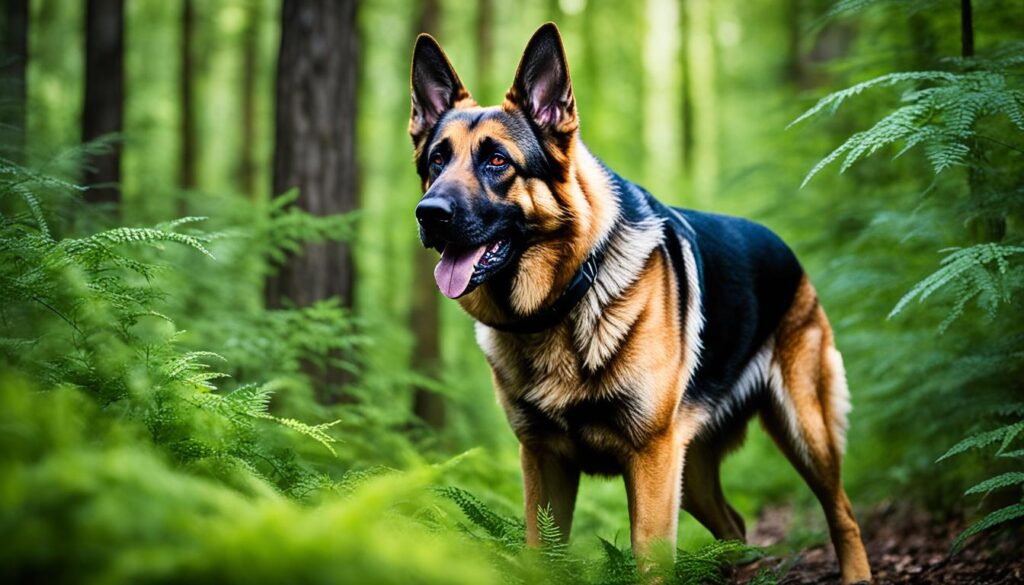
<point>170,226</point>
<point>316,432</point>
<point>1004,435</point>
<point>35,208</point>
<point>970,266</point>
<point>1000,481</point>
<point>845,8</point>
<point>941,116</point>
<point>184,366</point>
<point>551,541</point>
<point>11,173</point>
<point>619,567</point>
<point>1000,516</point>
<point>765,576</point>
<point>508,532</point>
<point>252,399</point>
<point>834,100</point>
<point>704,565</point>
<point>124,235</point>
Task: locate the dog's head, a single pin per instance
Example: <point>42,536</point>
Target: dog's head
<point>499,202</point>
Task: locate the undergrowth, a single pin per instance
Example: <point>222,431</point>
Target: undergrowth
<point>968,120</point>
<point>130,452</point>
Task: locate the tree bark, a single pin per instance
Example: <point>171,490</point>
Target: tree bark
<point>12,78</point>
<point>686,89</point>
<point>966,29</point>
<point>484,48</point>
<point>250,62</point>
<point>103,112</point>
<point>315,137</point>
<point>314,150</point>
<point>794,71</point>
<point>424,313</point>
<point>189,156</point>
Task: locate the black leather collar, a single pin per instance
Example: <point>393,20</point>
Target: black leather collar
<point>557,311</point>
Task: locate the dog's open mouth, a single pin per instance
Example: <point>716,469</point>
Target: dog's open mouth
<point>462,269</point>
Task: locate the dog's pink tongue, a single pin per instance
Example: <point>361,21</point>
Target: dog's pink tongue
<point>456,268</point>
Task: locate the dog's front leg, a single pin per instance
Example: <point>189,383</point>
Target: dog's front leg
<point>548,480</point>
<point>653,478</point>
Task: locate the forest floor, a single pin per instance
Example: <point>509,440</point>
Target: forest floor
<point>903,547</point>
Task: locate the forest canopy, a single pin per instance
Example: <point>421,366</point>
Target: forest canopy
<point>223,356</point>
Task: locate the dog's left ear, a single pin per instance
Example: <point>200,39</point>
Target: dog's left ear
<point>542,87</point>
<point>436,88</point>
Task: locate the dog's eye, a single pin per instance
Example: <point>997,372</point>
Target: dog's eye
<point>497,160</point>
<point>436,159</point>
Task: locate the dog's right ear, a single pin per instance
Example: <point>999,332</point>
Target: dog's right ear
<point>436,87</point>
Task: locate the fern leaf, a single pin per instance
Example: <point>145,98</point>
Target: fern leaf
<point>955,265</point>
<point>1004,434</point>
<point>316,432</point>
<point>552,543</point>
<point>1000,516</point>
<point>252,399</point>
<point>619,566</point>
<point>169,226</point>
<point>836,99</point>
<point>704,565</point>
<point>998,482</point>
<point>124,235</point>
<point>509,533</point>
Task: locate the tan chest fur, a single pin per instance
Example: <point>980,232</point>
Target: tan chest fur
<point>612,375</point>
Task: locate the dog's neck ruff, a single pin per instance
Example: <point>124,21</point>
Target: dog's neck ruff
<point>556,312</point>
<point>644,208</point>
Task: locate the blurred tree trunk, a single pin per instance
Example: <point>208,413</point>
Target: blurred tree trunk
<point>424,312</point>
<point>990,227</point>
<point>103,112</point>
<point>314,148</point>
<point>13,61</point>
<point>187,133</point>
<point>794,32</point>
<point>485,48</point>
<point>966,29</point>
<point>701,72</point>
<point>250,62</point>
<point>685,83</point>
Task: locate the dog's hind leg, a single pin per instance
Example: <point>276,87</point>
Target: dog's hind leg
<point>806,417</point>
<point>702,493</point>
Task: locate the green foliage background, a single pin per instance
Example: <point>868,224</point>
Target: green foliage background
<point>158,423</point>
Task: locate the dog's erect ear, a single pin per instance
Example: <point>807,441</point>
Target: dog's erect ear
<point>542,87</point>
<point>436,87</point>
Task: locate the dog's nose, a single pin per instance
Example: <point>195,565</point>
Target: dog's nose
<point>435,211</point>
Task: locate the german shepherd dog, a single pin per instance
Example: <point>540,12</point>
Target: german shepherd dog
<point>624,336</point>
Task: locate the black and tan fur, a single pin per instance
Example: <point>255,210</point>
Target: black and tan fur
<point>656,370</point>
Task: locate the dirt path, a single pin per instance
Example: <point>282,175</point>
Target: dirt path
<point>903,548</point>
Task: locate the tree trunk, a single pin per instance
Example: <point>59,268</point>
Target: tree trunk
<point>686,91</point>
<point>424,312</point>
<point>966,29</point>
<point>986,228</point>
<point>187,171</point>
<point>484,49</point>
<point>314,151</point>
<point>702,70</point>
<point>250,62</point>
<point>12,77</point>
<point>794,71</point>
<point>103,112</point>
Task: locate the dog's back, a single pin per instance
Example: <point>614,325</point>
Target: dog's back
<point>748,279</point>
